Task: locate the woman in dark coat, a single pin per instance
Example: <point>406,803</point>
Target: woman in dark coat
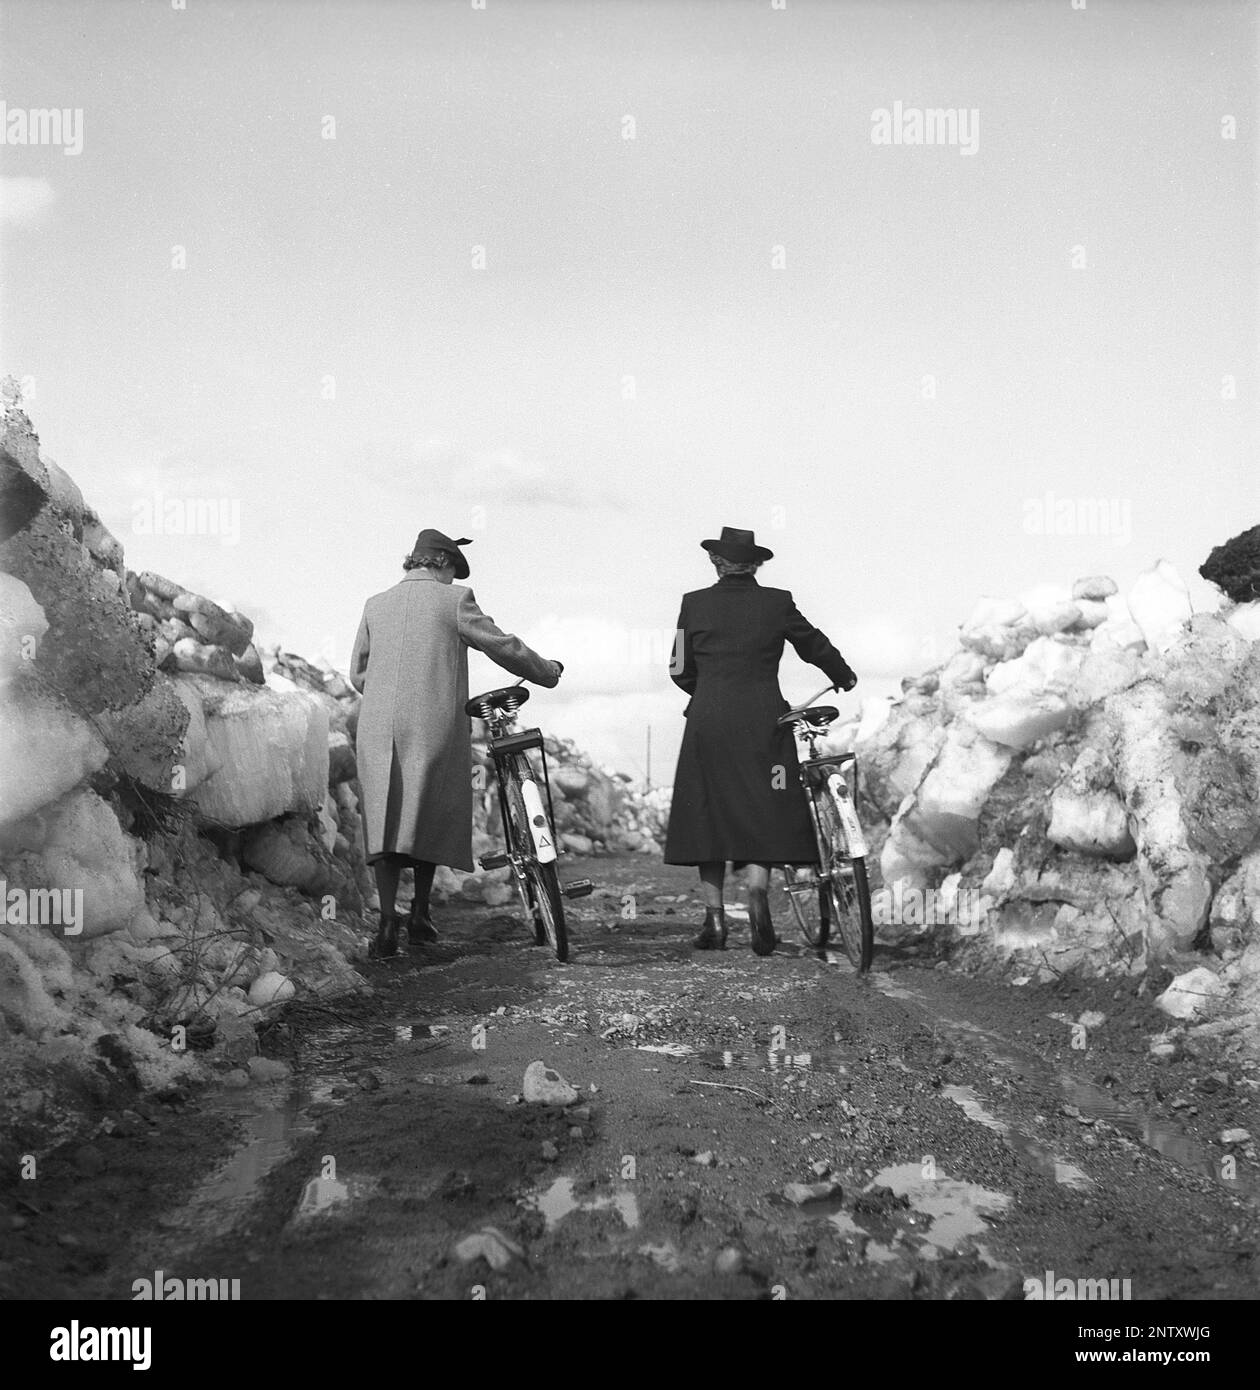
<point>413,742</point>
<point>736,793</point>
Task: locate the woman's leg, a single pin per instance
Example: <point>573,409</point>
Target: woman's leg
<point>712,878</point>
<point>419,924</point>
<point>387,871</point>
<point>763,937</point>
<point>713,934</point>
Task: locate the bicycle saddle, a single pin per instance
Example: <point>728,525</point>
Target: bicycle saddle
<point>506,697</point>
<point>813,714</point>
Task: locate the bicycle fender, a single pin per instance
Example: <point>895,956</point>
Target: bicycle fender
<point>856,840</point>
<point>539,825</point>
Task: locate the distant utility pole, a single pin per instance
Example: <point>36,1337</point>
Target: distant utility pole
<point>649,759</point>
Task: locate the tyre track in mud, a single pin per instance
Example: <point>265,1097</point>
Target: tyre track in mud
<point>708,1083</point>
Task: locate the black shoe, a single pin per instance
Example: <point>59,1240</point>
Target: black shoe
<point>386,943</point>
<point>420,926</point>
<point>763,938</point>
<point>713,934</point>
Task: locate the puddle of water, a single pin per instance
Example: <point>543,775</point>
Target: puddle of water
<point>323,1195</point>
<point>1065,1173</point>
<point>958,1209</point>
<point>827,1059</point>
<point>273,1124</point>
<point>872,1250</point>
<point>1161,1135</point>
<point>1164,1137</point>
<point>558,1201</point>
<point>411,1032</point>
<point>967,1101</point>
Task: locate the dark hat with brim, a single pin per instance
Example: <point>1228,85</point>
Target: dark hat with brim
<point>430,540</point>
<point>739,546</point>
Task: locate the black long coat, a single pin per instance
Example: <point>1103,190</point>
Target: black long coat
<point>736,792</point>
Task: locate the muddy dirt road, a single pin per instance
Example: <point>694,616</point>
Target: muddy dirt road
<point>744,1129</point>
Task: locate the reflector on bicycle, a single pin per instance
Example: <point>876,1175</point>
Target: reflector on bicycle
<point>517,743</point>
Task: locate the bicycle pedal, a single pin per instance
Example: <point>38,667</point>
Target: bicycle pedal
<point>493,861</point>
<point>579,888</point>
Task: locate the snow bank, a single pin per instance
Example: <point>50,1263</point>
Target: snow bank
<point>1094,775</point>
<point>199,798</point>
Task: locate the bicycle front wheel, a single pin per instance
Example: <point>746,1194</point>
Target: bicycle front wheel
<point>810,903</point>
<point>545,888</point>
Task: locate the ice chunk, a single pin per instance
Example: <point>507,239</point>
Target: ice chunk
<point>45,750</point>
<point>964,668</point>
<point>22,624</point>
<point>87,849</point>
<point>272,751</point>
<point>1160,604</point>
<point>1001,877</point>
<point>271,988</point>
<point>1019,720</point>
<point>875,713</point>
<point>1050,608</point>
<point>998,628</point>
<point>995,612</point>
<point>937,826</point>
<point>1043,665</point>
<point>1245,619</point>
<point>1174,872</point>
<point>1057,618</point>
<point>1094,587</point>
<point>1091,822</point>
<point>196,757</point>
<point>1093,613</point>
<point>1191,995</point>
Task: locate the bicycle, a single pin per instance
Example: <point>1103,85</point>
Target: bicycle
<point>528,827</point>
<point>838,888</point>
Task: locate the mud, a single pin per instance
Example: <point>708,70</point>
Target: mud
<point>962,1143</point>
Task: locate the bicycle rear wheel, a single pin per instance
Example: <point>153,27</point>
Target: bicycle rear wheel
<point>522,845</point>
<point>540,890</point>
<point>810,904</point>
<point>847,886</point>
<point>851,900</point>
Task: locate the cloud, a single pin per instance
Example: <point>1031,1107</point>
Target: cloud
<point>24,201</point>
<point>881,645</point>
<point>505,477</point>
<point>602,656</point>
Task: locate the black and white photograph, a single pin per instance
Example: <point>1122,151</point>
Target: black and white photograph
<point>629,667</point>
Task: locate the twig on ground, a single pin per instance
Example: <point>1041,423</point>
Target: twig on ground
<point>724,1086</point>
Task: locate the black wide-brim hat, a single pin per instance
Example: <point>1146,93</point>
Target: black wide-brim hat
<point>430,540</point>
<point>739,546</point>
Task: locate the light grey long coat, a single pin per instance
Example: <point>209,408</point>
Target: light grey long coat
<point>414,742</point>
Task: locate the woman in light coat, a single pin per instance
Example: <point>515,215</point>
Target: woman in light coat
<point>413,743</point>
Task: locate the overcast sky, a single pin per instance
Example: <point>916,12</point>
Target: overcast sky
<point>708,298</point>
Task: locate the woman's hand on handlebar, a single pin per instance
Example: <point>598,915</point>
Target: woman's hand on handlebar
<point>558,667</point>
